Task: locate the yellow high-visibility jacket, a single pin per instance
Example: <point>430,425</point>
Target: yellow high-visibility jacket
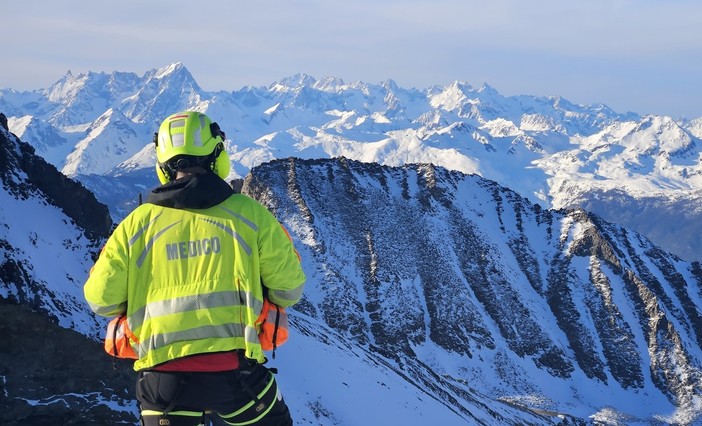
<point>190,280</point>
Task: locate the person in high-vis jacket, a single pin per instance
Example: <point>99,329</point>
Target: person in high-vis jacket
<point>190,268</point>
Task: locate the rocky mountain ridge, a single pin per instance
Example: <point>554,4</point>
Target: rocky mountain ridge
<point>434,268</point>
<point>52,227</point>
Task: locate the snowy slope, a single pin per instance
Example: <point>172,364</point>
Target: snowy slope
<point>46,253</point>
<point>112,137</point>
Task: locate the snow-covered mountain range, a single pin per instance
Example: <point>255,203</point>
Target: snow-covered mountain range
<point>642,171</point>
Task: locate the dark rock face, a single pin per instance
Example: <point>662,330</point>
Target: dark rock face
<point>55,376</point>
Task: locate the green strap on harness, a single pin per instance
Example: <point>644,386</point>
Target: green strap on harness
<point>257,408</point>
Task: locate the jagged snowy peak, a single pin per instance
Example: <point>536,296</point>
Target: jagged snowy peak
<point>83,98</point>
<point>659,148</point>
<point>75,100</point>
<point>329,84</point>
<point>163,91</point>
<point>79,88</point>
<point>293,81</point>
<point>112,137</point>
<point>450,97</point>
<point>527,112</point>
<point>655,134</point>
<point>332,94</point>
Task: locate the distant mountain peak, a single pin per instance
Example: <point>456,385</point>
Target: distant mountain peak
<point>389,84</point>
<point>462,86</point>
<point>486,88</point>
<point>172,69</point>
<point>298,80</point>
<point>176,73</point>
<point>451,97</point>
<point>329,83</point>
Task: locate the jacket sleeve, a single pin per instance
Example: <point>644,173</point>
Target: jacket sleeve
<point>281,269</point>
<point>106,287</point>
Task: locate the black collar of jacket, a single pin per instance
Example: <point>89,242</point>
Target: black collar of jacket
<point>200,191</point>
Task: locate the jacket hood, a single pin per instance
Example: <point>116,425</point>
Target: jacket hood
<point>200,191</point>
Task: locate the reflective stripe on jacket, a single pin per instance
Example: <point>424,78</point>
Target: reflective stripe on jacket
<point>192,278</point>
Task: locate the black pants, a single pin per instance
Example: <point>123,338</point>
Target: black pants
<point>238,397</point>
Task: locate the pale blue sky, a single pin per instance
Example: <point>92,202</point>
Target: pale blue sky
<point>633,55</point>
